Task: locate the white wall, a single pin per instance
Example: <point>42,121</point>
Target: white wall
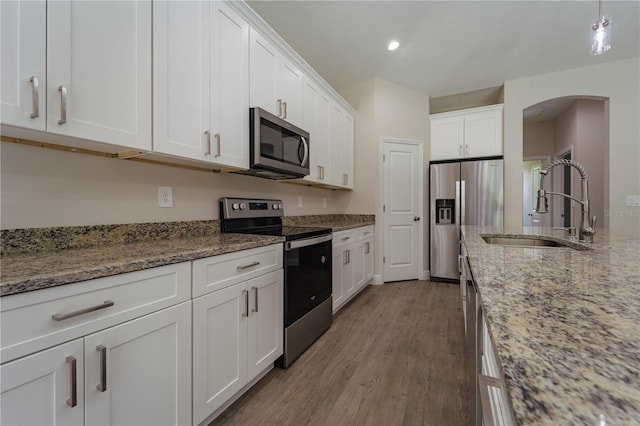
<point>385,110</point>
<point>617,81</point>
<point>43,187</point>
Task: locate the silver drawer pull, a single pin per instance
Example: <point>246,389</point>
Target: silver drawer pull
<point>366,233</point>
<point>245,293</point>
<point>61,317</point>
<point>73,401</point>
<point>251,265</point>
<point>218,149</point>
<point>255,298</point>
<point>346,239</point>
<point>208,135</point>
<point>35,97</point>
<point>102,386</point>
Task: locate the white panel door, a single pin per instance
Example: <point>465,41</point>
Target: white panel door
<point>229,87</point>
<point>337,143</point>
<point>265,332</point>
<point>263,65</point>
<point>181,78</point>
<point>139,372</point>
<point>99,71</point>
<point>336,277</point>
<point>219,348</point>
<point>483,133</point>
<point>23,68</point>
<point>38,389</point>
<point>347,151</point>
<point>447,137</point>
<point>402,211</point>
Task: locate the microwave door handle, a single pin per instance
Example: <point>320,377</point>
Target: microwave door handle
<point>305,158</point>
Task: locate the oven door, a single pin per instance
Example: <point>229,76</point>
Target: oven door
<point>278,146</point>
<point>307,276</point>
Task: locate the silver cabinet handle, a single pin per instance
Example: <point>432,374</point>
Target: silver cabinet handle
<point>345,179</point>
<point>73,401</point>
<point>245,293</point>
<point>345,239</point>
<point>467,149</point>
<point>279,107</point>
<point>255,296</point>
<point>218,153</point>
<point>208,134</point>
<point>368,248</point>
<point>366,233</point>
<point>345,257</point>
<point>460,150</point>
<point>305,158</point>
<point>102,386</point>
<point>284,104</point>
<point>63,104</point>
<point>35,96</point>
<point>251,265</point>
<point>60,317</point>
<point>322,172</point>
<point>319,172</point>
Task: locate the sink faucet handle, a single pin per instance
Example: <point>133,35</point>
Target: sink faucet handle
<point>570,230</point>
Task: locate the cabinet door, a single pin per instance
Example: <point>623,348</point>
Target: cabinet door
<point>339,260</point>
<point>23,30</point>
<point>447,138</point>
<point>368,260</point>
<point>219,348</point>
<point>266,326</point>
<point>483,133</point>
<point>347,152</point>
<point>337,142</point>
<point>99,52</point>
<point>263,65</point>
<point>358,264</point>
<point>317,121</point>
<point>289,90</point>
<point>39,389</point>
<point>229,87</point>
<point>139,372</point>
<point>181,58</point>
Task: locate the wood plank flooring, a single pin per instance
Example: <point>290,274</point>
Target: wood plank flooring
<point>393,356</point>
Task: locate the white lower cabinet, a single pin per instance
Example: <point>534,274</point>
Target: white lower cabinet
<point>352,263</point>
<point>126,360</point>
<point>237,334</point>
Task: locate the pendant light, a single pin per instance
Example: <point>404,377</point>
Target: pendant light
<point>600,33</point>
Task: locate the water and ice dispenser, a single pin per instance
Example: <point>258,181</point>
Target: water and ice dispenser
<point>445,211</point>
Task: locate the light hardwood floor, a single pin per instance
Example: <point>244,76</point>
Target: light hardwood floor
<point>393,356</point>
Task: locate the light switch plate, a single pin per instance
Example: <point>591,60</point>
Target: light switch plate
<point>299,201</point>
<point>633,200</point>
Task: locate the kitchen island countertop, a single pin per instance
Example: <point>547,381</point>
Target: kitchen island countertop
<point>565,325</point>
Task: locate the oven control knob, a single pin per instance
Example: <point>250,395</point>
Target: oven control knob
<point>235,206</point>
<point>280,206</point>
<point>243,206</point>
<point>275,207</point>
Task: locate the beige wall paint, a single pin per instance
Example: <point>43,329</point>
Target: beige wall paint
<point>538,139</point>
<point>617,81</point>
<point>385,110</point>
<point>43,187</point>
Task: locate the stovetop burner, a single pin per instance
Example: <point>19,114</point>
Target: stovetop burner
<point>261,217</point>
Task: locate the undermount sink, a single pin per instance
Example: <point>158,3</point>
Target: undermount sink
<point>524,241</point>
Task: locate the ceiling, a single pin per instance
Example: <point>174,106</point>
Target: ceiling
<point>448,47</point>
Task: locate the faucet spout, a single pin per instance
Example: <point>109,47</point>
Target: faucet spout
<point>587,223</point>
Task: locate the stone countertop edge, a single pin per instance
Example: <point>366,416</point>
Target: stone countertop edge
<point>24,272</point>
<point>564,324</point>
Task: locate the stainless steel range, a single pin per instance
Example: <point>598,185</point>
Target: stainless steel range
<point>307,269</point>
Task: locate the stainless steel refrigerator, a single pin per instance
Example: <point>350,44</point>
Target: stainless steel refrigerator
<point>461,193</point>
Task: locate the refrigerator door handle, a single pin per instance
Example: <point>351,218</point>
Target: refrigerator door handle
<point>463,197</point>
<point>457,209</point>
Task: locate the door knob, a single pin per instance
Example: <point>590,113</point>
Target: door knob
<point>416,218</point>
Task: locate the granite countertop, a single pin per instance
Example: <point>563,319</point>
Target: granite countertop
<point>33,271</point>
<point>565,325</point>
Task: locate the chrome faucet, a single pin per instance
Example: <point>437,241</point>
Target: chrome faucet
<point>587,223</point>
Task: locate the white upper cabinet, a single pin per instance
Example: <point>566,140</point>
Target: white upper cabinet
<point>471,133</point>
<point>342,128</point>
<point>23,68</point>
<point>276,83</point>
<point>317,121</point>
<point>201,77</point>
<point>99,71</point>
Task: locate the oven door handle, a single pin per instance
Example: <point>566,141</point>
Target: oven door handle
<point>292,245</point>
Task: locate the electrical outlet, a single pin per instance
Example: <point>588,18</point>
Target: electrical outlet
<point>299,201</point>
<point>324,203</point>
<point>165,196</point>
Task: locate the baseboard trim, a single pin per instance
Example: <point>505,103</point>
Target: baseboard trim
<point>377,280</point>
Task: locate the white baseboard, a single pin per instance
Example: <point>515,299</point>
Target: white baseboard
<point>377,280</point>
<point>425,276</point>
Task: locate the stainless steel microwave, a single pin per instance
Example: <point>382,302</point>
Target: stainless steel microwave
<point>278,149</point>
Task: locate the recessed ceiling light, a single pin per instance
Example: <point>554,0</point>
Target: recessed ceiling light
<point>393,45</point>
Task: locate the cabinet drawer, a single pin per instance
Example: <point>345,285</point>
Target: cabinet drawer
<point>41,319</point>
<point>217,272</point>
<point>364,232</point>
<point>343,238</point>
